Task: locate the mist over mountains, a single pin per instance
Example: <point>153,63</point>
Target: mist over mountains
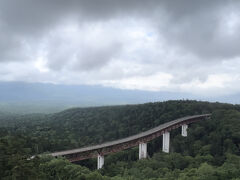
<point>39,97</point>
<point>22,97</point>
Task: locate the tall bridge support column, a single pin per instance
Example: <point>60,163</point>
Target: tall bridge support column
<point>100,161</point>
<point>166,142</point>
<point>184,130</point>
<point>142,150</point>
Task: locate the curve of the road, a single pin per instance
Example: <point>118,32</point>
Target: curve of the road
<point>130,138</point>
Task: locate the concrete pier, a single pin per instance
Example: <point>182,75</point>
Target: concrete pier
<point>166,142</point>
<point>184,130</point>
<point>100,161</point>
<point>142,150</point>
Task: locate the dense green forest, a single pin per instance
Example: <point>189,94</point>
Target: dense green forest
<point>211,150</point>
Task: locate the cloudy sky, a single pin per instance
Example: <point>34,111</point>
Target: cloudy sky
<point>156,45</point>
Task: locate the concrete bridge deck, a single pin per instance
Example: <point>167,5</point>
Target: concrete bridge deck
<point>146,136</point>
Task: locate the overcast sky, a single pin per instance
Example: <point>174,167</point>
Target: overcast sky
<point>178,45</point>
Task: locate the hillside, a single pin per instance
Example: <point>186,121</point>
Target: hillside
<point>212,148</point>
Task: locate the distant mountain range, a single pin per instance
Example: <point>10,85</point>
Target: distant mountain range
<point>21,97</point>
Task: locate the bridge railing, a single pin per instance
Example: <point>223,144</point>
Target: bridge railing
<point>140,139</point>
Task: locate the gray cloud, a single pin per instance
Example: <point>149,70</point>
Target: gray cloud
<point>29,16</point>
<point>185,39</point>
<point>199,28</point>
<point>192,25</point>
<point>12,48</point>
<point>82,57</point>
<point>89,58</point>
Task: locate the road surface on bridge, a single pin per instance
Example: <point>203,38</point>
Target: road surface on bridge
<point>141,135</point>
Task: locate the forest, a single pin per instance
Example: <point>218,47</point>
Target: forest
<point>210,152</point>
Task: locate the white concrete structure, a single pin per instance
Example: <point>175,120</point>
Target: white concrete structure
<point>166,142</point>
<point>142,150</point>
<point>184,130</point>
<point>100,161</point>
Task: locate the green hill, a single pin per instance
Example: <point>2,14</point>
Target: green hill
<point>211,150</point>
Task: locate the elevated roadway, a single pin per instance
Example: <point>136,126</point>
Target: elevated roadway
<point>140,140</point>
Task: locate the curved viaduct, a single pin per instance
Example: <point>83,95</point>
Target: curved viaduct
<point>140,140</point>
